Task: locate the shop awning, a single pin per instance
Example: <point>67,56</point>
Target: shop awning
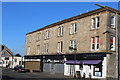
<point>83,62</point>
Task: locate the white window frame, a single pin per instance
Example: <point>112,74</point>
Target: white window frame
<point>47,34</point>
<point>96,38</point>
<point>92,43</point>
<point>60,31</point>
<point>46,48</point>
<point>73,28</point>
<point>113,49</point>
<point>95,43</point>
<point>95,22</point>
<point>112,24</point>
<point>60,47</point>
<point>73,44</point>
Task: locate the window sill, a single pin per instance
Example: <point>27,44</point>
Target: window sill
<point>73,33</point>
<point>96,50</point>
<point>46,39</point>
<point>37,40</point>
<point>59,36</point>
<point>94,29</point>
<point>112,27</point>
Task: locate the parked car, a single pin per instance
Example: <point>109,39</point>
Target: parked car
<point>19,68</point>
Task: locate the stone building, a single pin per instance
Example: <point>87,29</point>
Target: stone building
<point>84,43</point>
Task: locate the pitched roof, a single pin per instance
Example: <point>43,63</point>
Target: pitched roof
<point>78,17</point>
<point>4,48</point>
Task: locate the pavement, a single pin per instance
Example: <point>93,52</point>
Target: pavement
<point>8,74</point>
<point>0,72</point>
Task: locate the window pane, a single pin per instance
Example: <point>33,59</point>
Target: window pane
<point>92,43</point>
<point>75,28</point>
<point>98,41</point>
<point>93,23</point>
<point>112,43</point>
<point>112,24</point>
<point>98,22</point>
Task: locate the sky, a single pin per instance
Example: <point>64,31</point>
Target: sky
<point>19,18</point>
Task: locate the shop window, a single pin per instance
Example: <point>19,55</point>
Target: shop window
<point>81,67</point>
<point>97,71</point>
<point>72,69</point>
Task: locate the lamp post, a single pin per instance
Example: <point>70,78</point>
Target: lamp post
<point>117,39</point>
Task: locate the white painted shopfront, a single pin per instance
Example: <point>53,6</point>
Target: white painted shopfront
<point>95,68</point>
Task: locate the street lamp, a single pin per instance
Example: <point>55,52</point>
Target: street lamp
<point>117,39</point>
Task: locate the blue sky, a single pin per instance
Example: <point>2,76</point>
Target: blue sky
<point>19,18</point>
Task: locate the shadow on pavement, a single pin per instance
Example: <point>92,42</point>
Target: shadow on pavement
<point>4,77</point>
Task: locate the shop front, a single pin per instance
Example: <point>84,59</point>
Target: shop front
<point>34,63</point>
<point>53,63</point>
<point>87,65</point>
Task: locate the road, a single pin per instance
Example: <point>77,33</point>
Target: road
<point>9,74</point>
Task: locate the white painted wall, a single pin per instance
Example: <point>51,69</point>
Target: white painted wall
<point>12,61</point>
<point>18,61</point>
